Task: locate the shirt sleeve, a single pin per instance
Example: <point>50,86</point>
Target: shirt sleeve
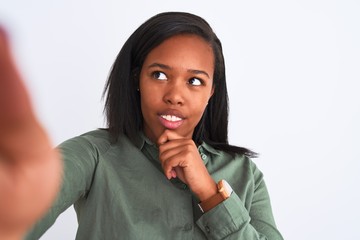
<point>232,220</point>
<point>79,159</point>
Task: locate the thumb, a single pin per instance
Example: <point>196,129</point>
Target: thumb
<point>14,100</point>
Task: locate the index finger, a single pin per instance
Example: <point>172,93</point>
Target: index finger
<point>168,135</point>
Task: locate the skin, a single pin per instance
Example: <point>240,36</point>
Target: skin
<point>176,83</point>
<point>26,155</point>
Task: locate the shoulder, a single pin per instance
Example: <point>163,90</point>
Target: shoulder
<point>231,163</point>
<point>92,141</point>
<point>94,136</point>
<point>96,141</point>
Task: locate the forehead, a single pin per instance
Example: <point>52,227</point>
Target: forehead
<point>183,51</point>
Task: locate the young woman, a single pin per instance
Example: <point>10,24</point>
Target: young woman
<point>163,169</point>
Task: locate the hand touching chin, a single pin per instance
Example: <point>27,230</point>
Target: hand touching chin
<point>180,158</point>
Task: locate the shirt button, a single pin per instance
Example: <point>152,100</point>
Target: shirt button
<point>207,229</point>
<point>188,227</point>
<point>203,156</point>
<point>184,186</point>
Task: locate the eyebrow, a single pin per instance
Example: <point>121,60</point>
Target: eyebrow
<point>163,66</point>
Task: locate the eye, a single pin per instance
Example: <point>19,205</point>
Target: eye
<point>195,81</point>
<point>159,75</point>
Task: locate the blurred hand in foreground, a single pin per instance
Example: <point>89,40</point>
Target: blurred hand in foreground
<point>30,169</point>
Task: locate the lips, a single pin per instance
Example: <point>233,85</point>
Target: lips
<point>171,119</point>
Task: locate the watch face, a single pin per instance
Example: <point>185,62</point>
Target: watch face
<point>226,189</point>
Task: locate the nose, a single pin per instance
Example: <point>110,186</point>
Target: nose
<point>174,95</point>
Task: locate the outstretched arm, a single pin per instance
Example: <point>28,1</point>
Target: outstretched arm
<point>30,170</point>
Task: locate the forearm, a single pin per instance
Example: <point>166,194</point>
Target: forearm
<point>29,181</point>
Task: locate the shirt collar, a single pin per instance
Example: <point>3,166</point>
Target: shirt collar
<point>210,149</point>
<point>141,140</point>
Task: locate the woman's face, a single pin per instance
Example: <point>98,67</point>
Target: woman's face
<point>176,83</point>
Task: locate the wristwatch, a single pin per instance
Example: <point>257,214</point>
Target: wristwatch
<point>224,192</point>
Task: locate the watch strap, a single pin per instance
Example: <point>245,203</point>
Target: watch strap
<point>210,203</point>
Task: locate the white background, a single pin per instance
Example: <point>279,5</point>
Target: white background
<point>293,76</point>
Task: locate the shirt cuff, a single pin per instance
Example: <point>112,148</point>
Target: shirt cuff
<point>224,219</point>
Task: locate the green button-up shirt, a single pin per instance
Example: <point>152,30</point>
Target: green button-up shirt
<point>119,191</point>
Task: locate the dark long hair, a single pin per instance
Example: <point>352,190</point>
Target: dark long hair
<point>122,106</point>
